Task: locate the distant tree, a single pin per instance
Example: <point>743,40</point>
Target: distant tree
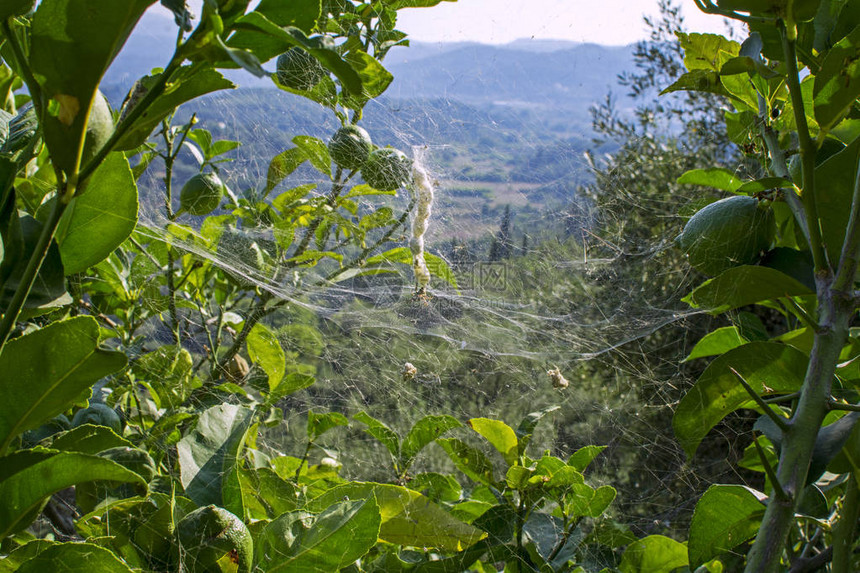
<point>638,209</point>
<point>502,246</point>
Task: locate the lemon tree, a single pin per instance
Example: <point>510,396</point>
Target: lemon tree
<point>794,97</point>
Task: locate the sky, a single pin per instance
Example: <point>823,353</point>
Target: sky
<point>611,22</point>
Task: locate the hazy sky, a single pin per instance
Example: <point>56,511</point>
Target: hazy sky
<point>502,21</point>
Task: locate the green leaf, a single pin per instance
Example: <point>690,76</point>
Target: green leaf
<point>517,477</point>
<point>98,220</point>
<point>438,267</point>
<point>75,558</point>
<point>12,8</point>
<point>316,151</point>
<point>653,554</point>
<point>408,518</point>
<point>603,496</point>
<point>28,477</point>
<point>318,424</point>
<point>829,443</point>
<point>836,177</point>
<point>168,374</point>
<point>209,457</point>
<point>88,439</point>
<point>337,537</point>
<point>837,84</point>
<point>529,423</point>
<point>48,370</point>
<point>582,458</point>
<point>266,494</point>
<point>302,14</point>
<point>436,486</point>
<point>765,184</point>
<point>743,285</point>
<point>715,177</point>
<point>707,51</point>
<point>717,342</point>
<point>265,349</point>
<point>468,460</point>
<point>768,367</point>
<point>725,517</point>
<point>375,79</point>
<point>293,382</point>
<point>425,430</point>
<point>283,164</point>
<point>73,43</point>
<point>699,81</point>
<point>49,288</point>
<point>11,562</point>
<point>386,436</point>
<point>500,435</point>
<point>186,84</point>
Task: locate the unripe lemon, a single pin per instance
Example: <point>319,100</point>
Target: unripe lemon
<point>299,70</point>
<point>213,540</point>
<point>731,232</point>
<point>201,194</point>
<point>350,147</point>
<point>100,415</point>
<point>387,169</point>
<point>99,128</point>
<point>133,459</point>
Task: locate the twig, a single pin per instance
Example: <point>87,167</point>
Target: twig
<point>771,474</point>
<point>781,422</point>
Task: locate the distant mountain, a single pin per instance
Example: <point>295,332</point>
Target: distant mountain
<point>557,75</point>
<point>532,74</point>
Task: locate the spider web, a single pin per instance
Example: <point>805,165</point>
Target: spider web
<point>574,289</point>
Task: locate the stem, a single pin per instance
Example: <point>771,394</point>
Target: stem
<point>304,460</point>
<point>845,531</point>
<point>257,313</point>
<point>801,313</point>
<point>336,189</point>
<point>833,405</point>
<point>779,168</point>
<point>807,155</point>
<point>780,422</point>
<point>169,158</point>
<point>32,85</point>
<point>359,260</point>
<point>771,475</point>
<point>799,439</point>
<point>138,110</point>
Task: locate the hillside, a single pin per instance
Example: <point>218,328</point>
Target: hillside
<point>503,125</point>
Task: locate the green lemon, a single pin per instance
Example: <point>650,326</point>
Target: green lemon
<point>731,232</point>
<point>299,70</point>
<point>201,194</point>
<point>133,459</point>
<point>350,147</point>
<point>54,425</point>
<point>100,415</point>
<point>213,540</point>
<point>387,169</point>
<point>100,127</point>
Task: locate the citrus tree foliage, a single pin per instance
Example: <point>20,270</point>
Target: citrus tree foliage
<point>793,87</point>
<point>139,372</point>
